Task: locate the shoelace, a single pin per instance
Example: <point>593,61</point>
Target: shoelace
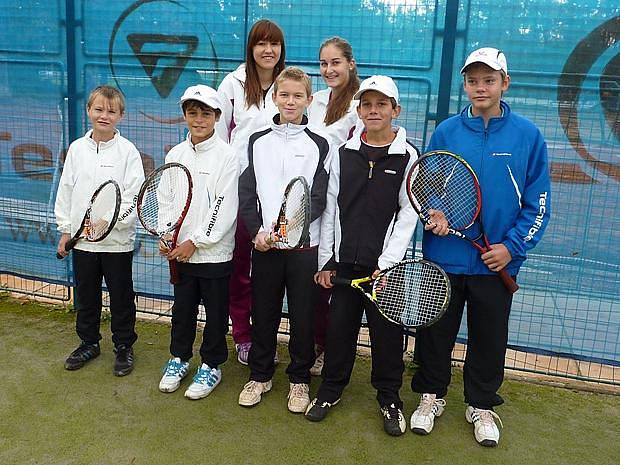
<point>298,390</point>
<point>486,417</point>
<point>203,376</point>
<point>430,404</point>
<point>391,412</point>
<point>250,386</point>
<point>173,368</point>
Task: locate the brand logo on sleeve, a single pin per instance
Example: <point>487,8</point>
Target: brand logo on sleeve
<point>538,221</point>
<point>216,210</point>
<point>501,154</point>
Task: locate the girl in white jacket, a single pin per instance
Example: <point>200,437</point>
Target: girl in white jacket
<point>247,105</point>
<point>333,112</point>
<point>102,154</point>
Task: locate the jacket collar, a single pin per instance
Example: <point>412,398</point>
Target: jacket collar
<point>101,145</point>
<point>397,147</point>
<point>288,129</point>
<point>240,73</point>
<point>476,123</point>
<point>203,146</point>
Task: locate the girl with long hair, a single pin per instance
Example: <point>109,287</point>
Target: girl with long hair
<point>247,105</point>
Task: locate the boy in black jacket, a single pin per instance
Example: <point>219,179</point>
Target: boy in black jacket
<point>366,226</point>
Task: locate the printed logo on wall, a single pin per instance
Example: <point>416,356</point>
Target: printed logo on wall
<point>171,62</point>
<point>580,95</point>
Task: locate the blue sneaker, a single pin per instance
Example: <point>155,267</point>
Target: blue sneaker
<point>174,371</point>
<point>205,380</point>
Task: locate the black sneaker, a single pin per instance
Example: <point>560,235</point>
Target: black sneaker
<point>84,353</point>
<point>394,422</point>
<point>123,363</point>
<point>317,410</point>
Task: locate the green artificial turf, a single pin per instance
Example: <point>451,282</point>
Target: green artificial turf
<point>52,416</point>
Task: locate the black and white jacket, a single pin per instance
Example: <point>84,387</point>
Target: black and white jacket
<point>277,153</point>
<point>368,220</point>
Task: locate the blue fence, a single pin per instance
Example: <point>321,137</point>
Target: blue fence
<point>564,59</point>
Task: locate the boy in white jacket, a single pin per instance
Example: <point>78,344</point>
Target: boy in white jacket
<point>102,154</point>
<point>276,154</point>
<point>206,242</point>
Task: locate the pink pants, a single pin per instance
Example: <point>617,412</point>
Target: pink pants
<point>240,306</point>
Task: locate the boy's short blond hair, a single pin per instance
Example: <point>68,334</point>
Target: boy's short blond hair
<point>294,73</point>
<point>110,93</point>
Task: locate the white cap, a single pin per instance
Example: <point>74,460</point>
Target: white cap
<point>491,57</point>
<point>382,84</point>
<point>203,94</point>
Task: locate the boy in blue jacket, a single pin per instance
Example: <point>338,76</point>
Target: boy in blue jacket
<point>509,155</point>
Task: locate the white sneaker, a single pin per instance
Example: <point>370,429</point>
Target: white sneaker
<point>298,397</point>
<point>174,371</point>
<point>317,368</point>
<point>252,393</point>
<point>205,380</point>
<point>485,429</point>
<point>423,419</point>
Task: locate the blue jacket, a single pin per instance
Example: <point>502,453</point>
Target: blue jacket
<point>510,159</point>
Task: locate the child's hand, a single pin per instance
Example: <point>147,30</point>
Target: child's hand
<point>164,244</point>
<point>262,242</point>
<point>324,278</point>
<point>496,258</point>
<point>438,223</point>
<point>183,252</point>
<point>61,244</point>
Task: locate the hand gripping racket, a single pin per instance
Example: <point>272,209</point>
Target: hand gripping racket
<point>100,216</point>
<point>445,182</point>
<point>163,203</point>
<point>292,228</point>
<point>412,293</point>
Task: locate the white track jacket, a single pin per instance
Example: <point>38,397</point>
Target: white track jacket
<point>211,219</point>
<point>238,122</point>
<point>88,165</point>
<point>277,154</point>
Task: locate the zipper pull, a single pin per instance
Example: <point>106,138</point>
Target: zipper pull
<point>371,164</point>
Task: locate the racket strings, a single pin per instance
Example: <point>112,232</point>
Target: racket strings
<point>295,214</point>
<point>164,200</point>
<point>413,294</point>
<point>102,212</point>
<point>442,182</point>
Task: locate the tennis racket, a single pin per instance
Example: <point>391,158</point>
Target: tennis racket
<point>292,228</point>
<point>163,203</point>
<point>100,216</point>
<point>411,293</point>
<point>445,182</point>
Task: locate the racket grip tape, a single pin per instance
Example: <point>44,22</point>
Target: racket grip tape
<point>337,280</point>
<point>511,284</point>
<point>68,246</point>
<point>71,243</point>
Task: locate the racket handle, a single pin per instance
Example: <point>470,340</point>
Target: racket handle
<point>174,272</point>
<point>58,256</point>
<point>71,243</point>
<point>510,283</point>
<point>337,280</point>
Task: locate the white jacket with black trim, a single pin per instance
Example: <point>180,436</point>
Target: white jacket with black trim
<point>88,165</point>
<point>277,154</point>
<point>211,219</point>
<point>369,221</point>
<point>238,121</point>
